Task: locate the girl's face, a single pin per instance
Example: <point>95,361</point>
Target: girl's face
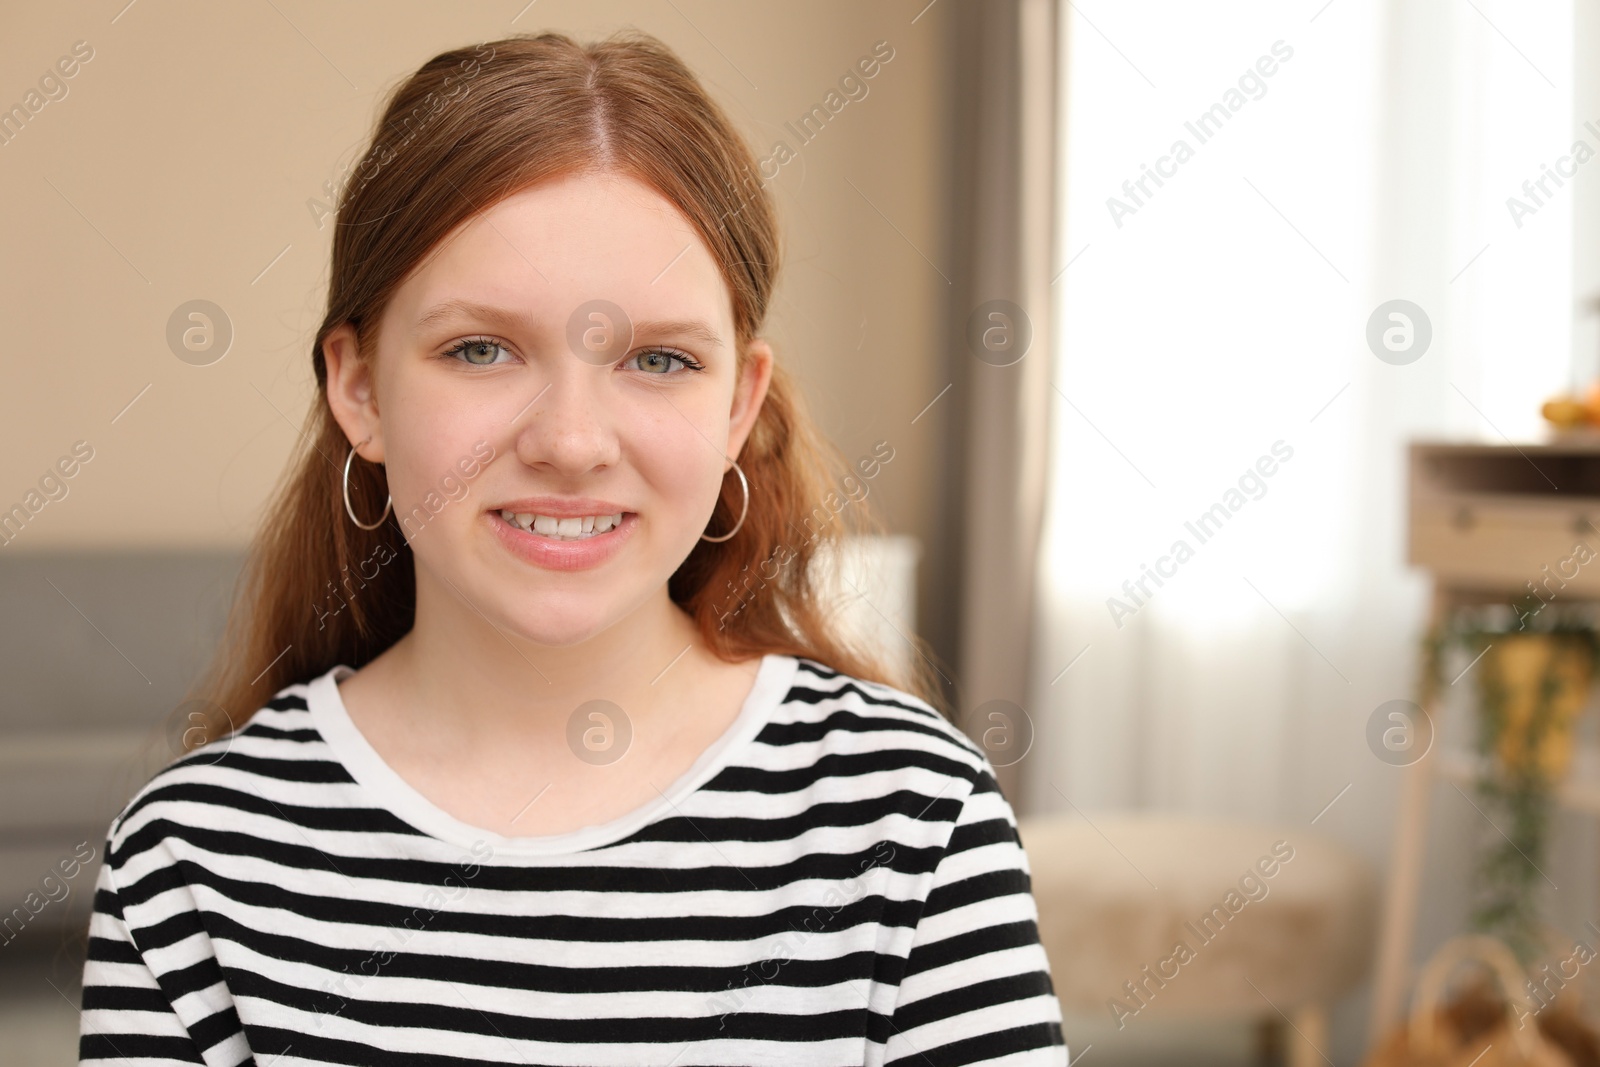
<point>563,358</point>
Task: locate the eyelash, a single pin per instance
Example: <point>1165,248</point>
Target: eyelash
<point>461,346</point>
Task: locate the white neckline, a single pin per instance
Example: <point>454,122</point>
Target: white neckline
<point>350,747</point>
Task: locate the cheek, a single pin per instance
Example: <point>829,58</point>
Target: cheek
<point>423,446</point>
<point>679,457</point>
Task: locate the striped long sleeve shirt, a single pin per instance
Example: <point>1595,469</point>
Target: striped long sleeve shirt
<point>837,880</point>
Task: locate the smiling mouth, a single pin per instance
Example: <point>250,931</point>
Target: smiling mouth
<point>564,529</point>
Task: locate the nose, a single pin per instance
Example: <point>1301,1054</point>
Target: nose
<point>571,428</point>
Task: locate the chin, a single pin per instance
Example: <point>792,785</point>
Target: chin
<point>558,637</point>
<point>553,621</point>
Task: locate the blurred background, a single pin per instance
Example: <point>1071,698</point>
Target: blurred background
<point>1239,365</point>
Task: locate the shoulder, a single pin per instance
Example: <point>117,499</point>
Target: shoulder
<point>249,772</point>
<point>889,753</point>
<point>829,708</point>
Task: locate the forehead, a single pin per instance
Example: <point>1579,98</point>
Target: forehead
<point>570,241</point>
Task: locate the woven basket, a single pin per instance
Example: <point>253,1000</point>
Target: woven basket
<point>1460,1035</point>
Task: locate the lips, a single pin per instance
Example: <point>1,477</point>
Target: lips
<point>557,553</point>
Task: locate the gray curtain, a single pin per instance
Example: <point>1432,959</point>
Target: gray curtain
<point>1005,147</point>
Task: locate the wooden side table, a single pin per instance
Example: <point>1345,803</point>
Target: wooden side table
<point>1491,523</point>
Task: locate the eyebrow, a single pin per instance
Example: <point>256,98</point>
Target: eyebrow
<point>692,329</point>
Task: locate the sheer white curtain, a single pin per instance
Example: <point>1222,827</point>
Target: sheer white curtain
<point>1226,316</point>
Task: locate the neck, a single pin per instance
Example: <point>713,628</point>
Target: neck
<point>474,682</point>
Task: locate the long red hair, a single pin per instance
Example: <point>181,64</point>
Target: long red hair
<point>470,127</point>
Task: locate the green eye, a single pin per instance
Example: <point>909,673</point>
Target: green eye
<point>477,351</point>
<point>652,358</point>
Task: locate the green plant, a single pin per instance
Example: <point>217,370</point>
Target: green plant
<point>1522,750</point>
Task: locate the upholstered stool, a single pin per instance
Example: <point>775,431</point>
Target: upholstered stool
<point>1158,916</point>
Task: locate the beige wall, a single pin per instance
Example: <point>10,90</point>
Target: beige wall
<point>180,163</point>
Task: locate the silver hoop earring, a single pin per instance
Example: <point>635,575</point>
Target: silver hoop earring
<point>742,511</point>
<point>387,504</point>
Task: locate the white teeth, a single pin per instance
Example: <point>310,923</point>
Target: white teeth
<point>564,529</point>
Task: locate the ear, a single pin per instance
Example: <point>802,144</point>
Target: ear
<point>748,394</point>
<point>351,395</point>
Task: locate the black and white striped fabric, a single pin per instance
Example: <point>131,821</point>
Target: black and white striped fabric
<point>837,880</point>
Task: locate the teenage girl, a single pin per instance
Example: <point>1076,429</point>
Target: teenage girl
<point>532,739</point>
